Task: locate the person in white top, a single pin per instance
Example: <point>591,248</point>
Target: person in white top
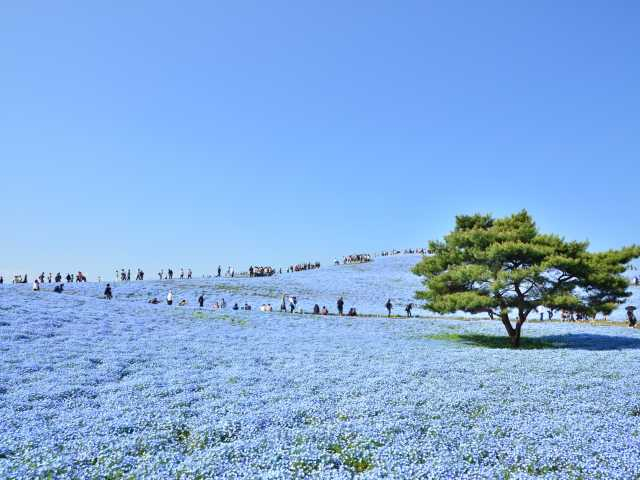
<point>169,297</point>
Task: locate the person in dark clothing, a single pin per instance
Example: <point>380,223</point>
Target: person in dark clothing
<point>235,307</point>
<point>201,300</point>
<point>631,317</point>
<point>408,309</point>
<point>251,271</point>
<point>107,292</point>
<point>219,270</point>
<point>68,278</point>
<point>389,306</point>
<point>316,309</point>
<point>59,288</point>
<point>340,305</point>
<point>1,280</point>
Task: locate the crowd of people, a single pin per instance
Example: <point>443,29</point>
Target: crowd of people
<point>356,258</point>
<point>124,275</point>
<point>300,267</point>
<point>258,271</point>
<point>406,251</point>
<point>288,304</point>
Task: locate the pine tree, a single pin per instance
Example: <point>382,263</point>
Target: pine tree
<point>506,268</point>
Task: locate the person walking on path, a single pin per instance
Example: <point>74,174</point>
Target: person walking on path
<point>201,300</point>
<point>340,305</point>
<point>107,292</point>
<point>389,306</point>
<point>292,304</point>
<point>170,298</point>
<point>408,309</point>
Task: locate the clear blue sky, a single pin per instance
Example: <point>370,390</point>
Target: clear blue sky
<point>160,134</point>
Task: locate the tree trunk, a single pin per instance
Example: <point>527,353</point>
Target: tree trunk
<point>515,338</point>
<point>504,316</point>
<point>514,333</point>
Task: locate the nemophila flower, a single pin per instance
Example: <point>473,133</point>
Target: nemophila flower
<point>90,389</point>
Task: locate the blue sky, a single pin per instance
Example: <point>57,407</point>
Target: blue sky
<point>160,134</point>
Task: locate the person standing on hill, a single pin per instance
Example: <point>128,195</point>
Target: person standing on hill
<point>107,292</point>
<point>201,300</point>
<point>389,306</point>
<point>219,270</point>
<point>340,305</point>
<point>170,298</point>
<point>408,309</point>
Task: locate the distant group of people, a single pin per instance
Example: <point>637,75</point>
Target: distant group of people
<point>571,316</point>
<point>300,267</point>
<point>406,251</point>
<point>356,258</point>
<point>258,271</point>
<point>43,278</point>
<point>125,276</point>
<point>169,274</point>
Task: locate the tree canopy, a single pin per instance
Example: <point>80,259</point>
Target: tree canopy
<point>507,268</point>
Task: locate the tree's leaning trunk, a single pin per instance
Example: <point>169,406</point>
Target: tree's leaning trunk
<point>512,332</point>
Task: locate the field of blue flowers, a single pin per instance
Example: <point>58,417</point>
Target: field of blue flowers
<point>124,389</point>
